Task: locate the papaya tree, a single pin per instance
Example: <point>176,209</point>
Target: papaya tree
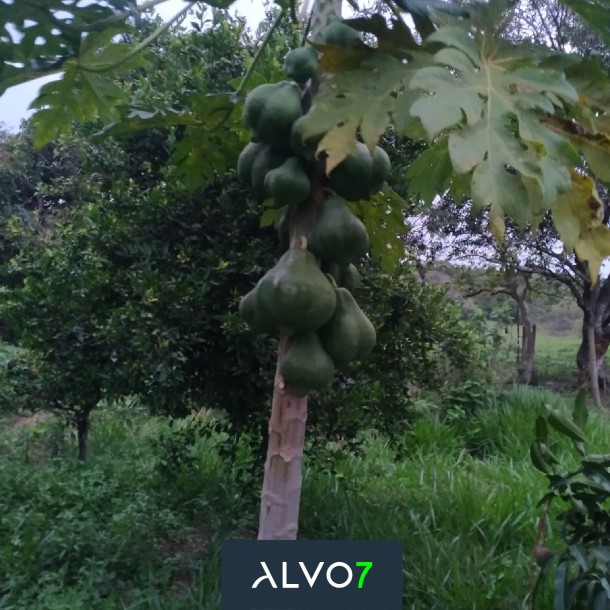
<point>520,129</point>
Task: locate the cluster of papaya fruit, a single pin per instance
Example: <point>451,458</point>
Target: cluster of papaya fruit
<point>307,295</point>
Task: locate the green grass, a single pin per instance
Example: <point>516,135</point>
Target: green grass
<point>140,525</point>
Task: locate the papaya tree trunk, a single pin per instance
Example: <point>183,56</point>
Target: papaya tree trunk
<point>281,495</point>
<point>82,431</point>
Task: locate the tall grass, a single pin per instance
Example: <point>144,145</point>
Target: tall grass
<point>140,526</point>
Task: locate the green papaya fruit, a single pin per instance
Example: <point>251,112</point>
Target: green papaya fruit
<point>295,295</point>
<point>270,110</point>
<point>246,159</point>
<point>381,169</point>
<point>338,236</point>
<point>350,278</point>
<point>304,148</point>
<point>344,276</point>
<point>332,269</point>
<point>268,159</point>
<point>360,175</point>
<point>349,335</point>
<point>339,34</point>
<point>301,64</point>
<point>288,184</point>
<point>249,311</point>
<point>305,366</point>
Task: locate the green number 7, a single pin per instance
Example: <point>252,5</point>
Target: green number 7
<point>367,565</point>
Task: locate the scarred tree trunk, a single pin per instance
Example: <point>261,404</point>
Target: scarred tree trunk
<point>281,495</point>
<point>591,357</point>
<point>82,431</point>
<point>526,366</point>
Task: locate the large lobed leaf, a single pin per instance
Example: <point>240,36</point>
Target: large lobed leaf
<point>490,100</point>
<point>39,36</point>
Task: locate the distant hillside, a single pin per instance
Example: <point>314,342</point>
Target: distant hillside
<point>558,316</point>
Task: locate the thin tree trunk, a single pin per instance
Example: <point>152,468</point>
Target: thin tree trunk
<point>593,374</point>
<point>281,495</point>
<point>82,430</point>
<point>526,367</point>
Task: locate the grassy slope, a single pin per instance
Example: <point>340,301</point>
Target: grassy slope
<point>139,527</point>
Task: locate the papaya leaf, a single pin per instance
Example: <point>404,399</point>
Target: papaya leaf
<point>594,147</point>
<point>211,147</point>
<point>393,36</point>
<point>577,211</point>
<point>578,215</point>
<point>593,249</point>
<point>383,217</point>
<point>86,91</point>
<point>271,216</point>
<point>137,119</point>
<point>476,90</point>
<point>40,36</point>
<point>361,97</point>
<point>430,174</point>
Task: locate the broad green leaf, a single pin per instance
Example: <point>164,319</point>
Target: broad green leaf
<point>35,45</point>
<point>361,97</point>
<point>581,412</point>
<point>561,597</point>
<point>565,426</point>
<point>594,147</point>
<point>138,119</point>
<point>490,99</point>
<point>384,220</point>
<point>271,215</point>
<point>538,459</point>
<point>430,174</point>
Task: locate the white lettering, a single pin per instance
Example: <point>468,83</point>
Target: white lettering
<point>266,577</point>
<point>311,579</point>
<point>330,580</point>
<point>285,583</point>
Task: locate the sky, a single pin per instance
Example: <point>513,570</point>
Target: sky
<point>16,100</point>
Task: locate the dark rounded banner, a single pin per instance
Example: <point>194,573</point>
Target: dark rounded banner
<point>311,574</point>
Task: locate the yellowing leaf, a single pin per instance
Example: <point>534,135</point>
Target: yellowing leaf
<point>577,211</point>
<point>594,147</point>
<point>593,248</point>
<point>358,98</point>
<point>338,143</point>
<point>578,216</point>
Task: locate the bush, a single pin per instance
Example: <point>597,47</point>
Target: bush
<point>421,344</point>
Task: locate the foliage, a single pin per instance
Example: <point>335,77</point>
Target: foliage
<point>119,532</point>
<point>108,300</point>
<point>580,569</point>
<point>421,345</point>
